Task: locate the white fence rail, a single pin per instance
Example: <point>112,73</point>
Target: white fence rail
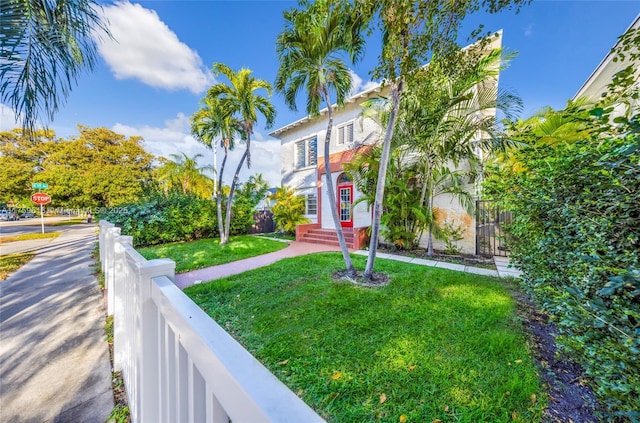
<point>178,364</point>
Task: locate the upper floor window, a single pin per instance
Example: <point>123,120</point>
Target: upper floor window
<point>306,153</point>
<point>345,133</point>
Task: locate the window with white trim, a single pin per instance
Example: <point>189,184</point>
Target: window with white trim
<point>311,204</point>
<point>306,153</point>
<point>345,133</point>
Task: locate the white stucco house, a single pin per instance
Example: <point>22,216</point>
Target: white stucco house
<point>302,168</point>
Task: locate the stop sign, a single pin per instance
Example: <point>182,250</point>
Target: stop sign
<point>41,198</point>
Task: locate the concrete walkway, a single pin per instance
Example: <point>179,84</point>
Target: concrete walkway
<point>294,249</point>
<point>24,246</point>
<point>297,248</point>
<point>54,359</point>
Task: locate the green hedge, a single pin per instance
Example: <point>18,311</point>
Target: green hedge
<point>576,212</point>
<point>165,218</point>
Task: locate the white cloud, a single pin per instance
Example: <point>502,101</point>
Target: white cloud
<point>174,138</point>
<point>145,48</point>
<point>358,84</point>
<point>528,31</point>
<point>8,118</point>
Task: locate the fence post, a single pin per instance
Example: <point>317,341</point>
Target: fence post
<point>148,357</point>
<point>111,238</point>
<point>118,300</point>
<point>102,233</point>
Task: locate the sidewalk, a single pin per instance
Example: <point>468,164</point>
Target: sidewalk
<point>54,359</point>
<point>26,246</point>
<point>297,248</point>
<point>294,249</point>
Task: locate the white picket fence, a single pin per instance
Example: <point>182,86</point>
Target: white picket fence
<point>177,363</point>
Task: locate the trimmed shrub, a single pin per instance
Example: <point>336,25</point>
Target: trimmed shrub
<point>576,212</point>
<point>164,218</point>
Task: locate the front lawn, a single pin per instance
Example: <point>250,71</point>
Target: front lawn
<point>433,344</point>
<point>208,252</point>
<point>30,236</point>
<point>12,262</point>
<point>74,221</point>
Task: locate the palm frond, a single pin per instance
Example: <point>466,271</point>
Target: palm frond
<point>45,47</point>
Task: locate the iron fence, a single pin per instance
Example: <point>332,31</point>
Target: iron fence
<point>492,239</point>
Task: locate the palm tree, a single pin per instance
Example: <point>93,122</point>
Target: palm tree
<point>452,120</point>
<point>208,123</point>
<point>310,49</point>
<point>45,46</point>
<point>240,102</point>
<point>182,172</point>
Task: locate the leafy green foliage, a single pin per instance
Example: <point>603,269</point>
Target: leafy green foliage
<point>98,168</point>
<point>289,209</point>
<point>247,198</point>
<point>576,228</point>
<point>182,173</point>
<point>433,344</point>
<point>162,218</point>
<point>452,234</point>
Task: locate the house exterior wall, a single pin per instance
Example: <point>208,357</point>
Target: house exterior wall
<point>308,180</point>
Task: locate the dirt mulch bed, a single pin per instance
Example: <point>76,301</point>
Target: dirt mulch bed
<point>570,398</point>
<point>466,259</point>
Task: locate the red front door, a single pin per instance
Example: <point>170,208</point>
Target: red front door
<point>345,200</point>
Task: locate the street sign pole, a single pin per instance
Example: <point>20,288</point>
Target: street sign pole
<point>41,218</point>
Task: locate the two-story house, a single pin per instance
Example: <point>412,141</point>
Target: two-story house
<point>302,168</point>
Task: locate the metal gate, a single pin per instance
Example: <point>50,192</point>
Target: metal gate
<point>263,222</point>
<point>491,237</point>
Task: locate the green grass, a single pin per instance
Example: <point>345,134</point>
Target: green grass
<point>12,262</point>
<point>438,344</point>
<point>26,237</point>
<point>74,221</point>
<point>208,252</point>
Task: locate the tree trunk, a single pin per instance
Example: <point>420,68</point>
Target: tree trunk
<point>231,192</point>
<point>396,93</point>
<point>331,193</point>
<point>430,239</point>
<point>223,238</point>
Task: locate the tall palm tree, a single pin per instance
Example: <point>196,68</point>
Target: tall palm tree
<point>44,48</point>
<point>211,121</point>
<point>239,101</point>
<point>310,49</point>
<point>182,172</point>
<point>452,120</point>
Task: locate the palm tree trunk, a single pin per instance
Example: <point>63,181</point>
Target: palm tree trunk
<point>331,193</point>
<point>396,93</point>
<point>223,237</point>
<point>227,224</point>
<point>431,223</point>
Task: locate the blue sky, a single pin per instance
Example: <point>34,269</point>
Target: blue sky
<point>152,79</point>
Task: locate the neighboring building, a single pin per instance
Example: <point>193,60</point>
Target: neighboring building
<point>302,167</point>
<point>595,87</point>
